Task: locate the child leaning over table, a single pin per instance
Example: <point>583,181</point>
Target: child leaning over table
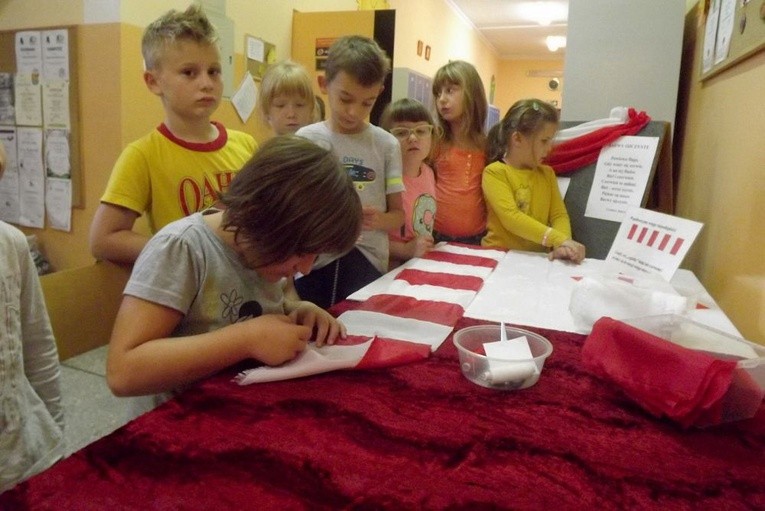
<point>214,288</point>
<point>31,413</point>
<point>286,97</point>
<point>178,168</point>
<point>525,208</point>
<point>410,122</point>
<point>355,70</point>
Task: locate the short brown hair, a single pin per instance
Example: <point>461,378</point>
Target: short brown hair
<point>360,57</point>
<point>292,198</point>
<point>191,25</point>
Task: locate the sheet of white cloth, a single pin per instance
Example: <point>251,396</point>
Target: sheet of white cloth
<point>527,289</point>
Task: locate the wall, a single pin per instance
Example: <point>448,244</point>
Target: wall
<point>721,155</point>
<point>622,53</point>
<point>514,83</point>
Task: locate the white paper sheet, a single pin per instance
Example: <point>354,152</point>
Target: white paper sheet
<point>651,242</point>
<point>29,54</point>
<point>58,203</point>
<point>245,97</point>
<point>710,33</point>
<point>724,29</point>
<point>621,176</point>
<point>31,177</point>
<point>9,183</point>
<point>28,101</point>
<point>55,54</point>
<point>55,104</point>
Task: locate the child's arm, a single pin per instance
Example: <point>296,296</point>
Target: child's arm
<point>390,220</point>
<point>560,221</point>
<point>416,247</point>
<point>41,364</point>
<point>326,328</point>
<point>144,359</point>
<point>500,198</point>
<point>112,237</point>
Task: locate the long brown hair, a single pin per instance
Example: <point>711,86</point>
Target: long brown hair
<point>475,105</point>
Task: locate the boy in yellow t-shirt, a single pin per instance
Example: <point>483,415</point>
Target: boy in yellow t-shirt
<point>179,167</point>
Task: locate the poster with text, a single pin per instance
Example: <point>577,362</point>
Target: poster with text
<point>621,177</point>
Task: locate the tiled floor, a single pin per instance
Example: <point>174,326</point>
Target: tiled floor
<point>90,408</point>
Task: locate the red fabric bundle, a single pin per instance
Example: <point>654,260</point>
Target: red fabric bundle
<point>684,385</point>
<point>582,151</point>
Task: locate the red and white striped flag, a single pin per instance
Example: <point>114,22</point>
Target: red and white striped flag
<point>403,316</point>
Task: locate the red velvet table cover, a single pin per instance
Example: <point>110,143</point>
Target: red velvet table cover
<point>418,436</point>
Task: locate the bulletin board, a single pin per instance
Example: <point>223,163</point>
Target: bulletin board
<point>8,65</point>
<point>747,37</point>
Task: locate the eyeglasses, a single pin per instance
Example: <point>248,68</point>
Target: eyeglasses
<point>421,131</point>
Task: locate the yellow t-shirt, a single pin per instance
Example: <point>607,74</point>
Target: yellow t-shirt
<point>168,178</point>
<point>522,204</point>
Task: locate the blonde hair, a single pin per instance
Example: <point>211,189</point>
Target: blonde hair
<point>475,105</point>
<point>189,25</point>
<point>286,77</point>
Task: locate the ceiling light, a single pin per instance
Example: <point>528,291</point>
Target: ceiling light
<point>555,42</point>
<point>543,13</point>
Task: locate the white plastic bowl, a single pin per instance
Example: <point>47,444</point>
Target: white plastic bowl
<point>497,373</point>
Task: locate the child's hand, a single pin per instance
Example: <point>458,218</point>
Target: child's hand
<point>325,327</point>
<point>276,338</point>
<point>569,249</point>
<point>372,218</point>
<point>422,245</point>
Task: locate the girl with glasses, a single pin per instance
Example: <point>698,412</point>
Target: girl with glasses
<point>410,122</point>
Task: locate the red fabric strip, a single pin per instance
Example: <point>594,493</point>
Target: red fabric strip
<point>392,352</point>
<point>469,260</point>
<point>582,151</point>
<point>418,277</point>
<point>664,378</point>
<point>443,313</point>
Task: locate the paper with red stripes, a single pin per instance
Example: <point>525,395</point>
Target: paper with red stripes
<point>649,242</point>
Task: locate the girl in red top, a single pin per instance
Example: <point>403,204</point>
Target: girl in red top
<point>458,155</point>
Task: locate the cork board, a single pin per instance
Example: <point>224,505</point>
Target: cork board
<point>8,65</point>
<point>747,37</point>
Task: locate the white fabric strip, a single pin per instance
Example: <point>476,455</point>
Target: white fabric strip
<point>450,268</point>
<point>619,115</point>
<point>497,255</point>
<point>372,324</point>
<point>461,297</point>
<point>311,361</point>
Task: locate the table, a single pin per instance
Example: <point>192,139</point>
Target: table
<point>418,436</point>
